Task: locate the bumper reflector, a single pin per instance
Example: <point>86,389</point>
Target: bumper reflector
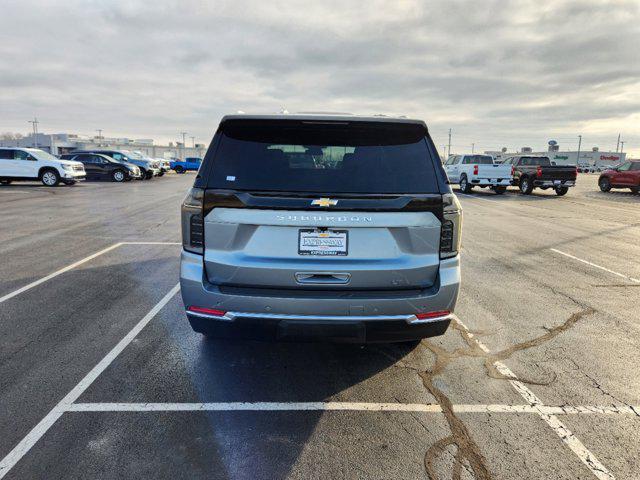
<point>426,315</point>
<point>207,311</point>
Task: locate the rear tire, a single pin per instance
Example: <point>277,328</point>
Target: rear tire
<point>526,186</point>
<point>5,182</point>
<point>499,190</point>
<point>118,176</point>
<point>148,175</point>
<point>161,173</point>
<point>143,174</point>
<point>604,184</point>
<point>465,187</point>
<point>49,177</point>
<point>179,169</point>
<point>635,190</point>
<point>560,191</point>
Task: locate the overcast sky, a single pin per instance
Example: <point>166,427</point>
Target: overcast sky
<point>498,73</point>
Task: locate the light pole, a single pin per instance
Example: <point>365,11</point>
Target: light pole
<point>193,142</point>
<point>579,145</point>
<point>621,146</point>
<point>35,123</point>
<point>473,148</point>
<point>449,141</point>
<point>183,140</point>
<point>99,130</point>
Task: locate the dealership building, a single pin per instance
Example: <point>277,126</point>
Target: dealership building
<point>591,157</point>
<point>59,143</point>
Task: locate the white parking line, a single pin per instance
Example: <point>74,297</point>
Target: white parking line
<point>475,197</point>
<point>76,264</point>
<point>348,406</point>
<point>58,272</point>
<point>631,279</point>
<point>43,426</point>
<point>592,463</point>
<point>151,243</point>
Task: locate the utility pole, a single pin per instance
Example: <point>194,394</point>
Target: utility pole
<point>183,145</point>
<point>579,145</point>
<point>473,148</point>
<point>449,141</point>
<point>618,144</point>
<point>193,142</point>
<point>99,130</point>
<point>622,147</point>
<point>35,123</point>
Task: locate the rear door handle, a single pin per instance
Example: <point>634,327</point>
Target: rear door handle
<point>323,278</point>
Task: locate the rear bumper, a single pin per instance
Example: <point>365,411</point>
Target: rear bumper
<point>491,182</point>
<point>552,183</point>
<point>343,316</point>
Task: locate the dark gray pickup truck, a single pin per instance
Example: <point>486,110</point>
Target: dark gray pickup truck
<point>531,172</point>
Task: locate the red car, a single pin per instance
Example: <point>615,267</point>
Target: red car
<point>626,175</point>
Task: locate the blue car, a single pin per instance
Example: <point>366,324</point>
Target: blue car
<point>189,163</point>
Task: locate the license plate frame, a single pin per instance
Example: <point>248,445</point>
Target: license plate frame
<point>323,250</point>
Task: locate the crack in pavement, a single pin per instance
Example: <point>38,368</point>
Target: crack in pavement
<point>468,454</point>
<point>491,358</point>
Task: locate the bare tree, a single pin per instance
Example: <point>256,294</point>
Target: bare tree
<point>10,136</point>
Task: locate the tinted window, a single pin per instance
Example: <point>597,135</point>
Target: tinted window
<point>543,161</point>
<point>479,159</point>
<point>21,155</point>
<point>84,158</point>
<point>324,157</point>
<point>635,166</point>
<point>6,154</point>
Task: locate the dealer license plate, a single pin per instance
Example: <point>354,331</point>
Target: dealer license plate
<point>323,242</point>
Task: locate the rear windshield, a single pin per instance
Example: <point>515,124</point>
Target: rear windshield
<point>324,157</point>
<point>543,161</point>
<point>478,159</point>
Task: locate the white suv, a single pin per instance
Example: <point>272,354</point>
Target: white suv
<point>35,164</point>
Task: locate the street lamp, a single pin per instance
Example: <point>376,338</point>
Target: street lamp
<point>183,142</point>
<point>35,123</point>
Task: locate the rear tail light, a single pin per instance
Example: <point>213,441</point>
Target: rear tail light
<point>475,169</point>
<point>214,312</point>
<point>193,221</point>
<point>450,227</point>
<point>427,315</point>
<point>539,171</point>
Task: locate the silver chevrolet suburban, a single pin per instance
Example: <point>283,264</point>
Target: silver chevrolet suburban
<point>332,227</point>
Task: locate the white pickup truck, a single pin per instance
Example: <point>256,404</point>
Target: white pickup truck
<point>470,171</point>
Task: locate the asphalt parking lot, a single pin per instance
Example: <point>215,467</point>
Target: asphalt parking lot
<point>102,377</point>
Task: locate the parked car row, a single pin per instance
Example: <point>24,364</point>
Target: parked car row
<point>18,164</point>
<point>526,172</point>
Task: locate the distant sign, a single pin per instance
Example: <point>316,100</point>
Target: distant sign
<point>561,157</point>
<point>610,157</point>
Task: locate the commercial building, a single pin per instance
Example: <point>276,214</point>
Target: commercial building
<point>59,143</point>
<point>591,157</point>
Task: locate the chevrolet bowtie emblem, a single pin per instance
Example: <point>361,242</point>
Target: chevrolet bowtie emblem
<point>324,202</point>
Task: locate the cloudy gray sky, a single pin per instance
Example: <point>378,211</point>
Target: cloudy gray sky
<point>498,73</point>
